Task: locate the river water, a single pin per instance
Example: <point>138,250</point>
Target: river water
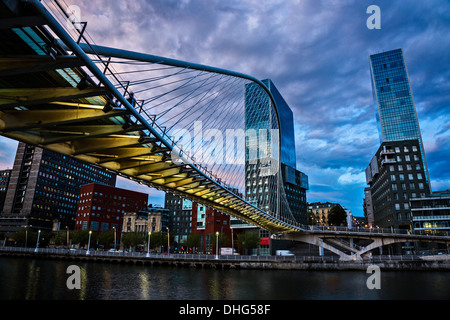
<point>29,279</point>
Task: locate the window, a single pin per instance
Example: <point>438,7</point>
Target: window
<point>407,157</point>
<point>421,186</point>
<point>419,176</point>
<point>397,206</point>
<point>414,148</point>
<point>94,226</point>
<point>392,177</point>
<point>410,176</point>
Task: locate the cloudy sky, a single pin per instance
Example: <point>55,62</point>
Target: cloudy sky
<point>317,54</point>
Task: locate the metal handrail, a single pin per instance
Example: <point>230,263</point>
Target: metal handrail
<point>219,258</point>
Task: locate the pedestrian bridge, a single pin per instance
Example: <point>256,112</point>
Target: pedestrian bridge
<point>176,126</point>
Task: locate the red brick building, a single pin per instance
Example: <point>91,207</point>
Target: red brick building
<point>206,222</point>
<point>101,207</point>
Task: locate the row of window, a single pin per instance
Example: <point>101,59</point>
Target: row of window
<point>97,226</point>
<point>408,167</point>
<point>98,215</point>
<point>412,186</point>
<point>410,176</point>
<point>407,158</point>
<point>107,196</point>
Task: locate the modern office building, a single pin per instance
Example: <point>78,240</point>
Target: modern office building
<point>44,187</point>
<point>295,185</point>
<point>431,214</point>
<point>260,158</point>
<point>395,175</point>
<point>398,171</point>
<point>4,182</point>
<point>102,207</point>
<point>368,207</point>
<point>180,216</point>
<point>396,112</point>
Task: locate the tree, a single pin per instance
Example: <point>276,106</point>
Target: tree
<point>23,236</point>
<point>312,218</point>
<point>193,241</point>
<point>82,237</point>
<point>158,239</point>
<point>223,240</point>
<point>248,240</point>
<point>132,239</point>
<point>337,216</point>
<point>59,237</point>
<point>106,238</point>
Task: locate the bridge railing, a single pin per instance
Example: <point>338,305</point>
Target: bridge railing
<point>375,230</point>
<point>441,255</point>
<point>173,256</point>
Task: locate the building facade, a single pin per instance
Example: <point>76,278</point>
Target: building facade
<point>148,220</point>
<point>180,216</point>
<point>4,182</point>
<point>395,175</point>
<point>207,222</point>
<point>295,184</point>
<point>396,112</point>
<point>431,214</point>
<point>368,207</point>
<point>102,207</point>
<point>44,187</point>
<point>318,212</point>
<point>260,159</point>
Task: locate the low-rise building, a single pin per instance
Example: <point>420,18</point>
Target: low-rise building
<point>148,220</point>
<point>101,207</point>
<point>318,212</point>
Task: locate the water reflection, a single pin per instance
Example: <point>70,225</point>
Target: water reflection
<point>40,279</point>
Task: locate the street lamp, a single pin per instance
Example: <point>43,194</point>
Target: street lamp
<point>37,243</point>
<point>168,241</point>
<point>89,242</point>
<point>217,245</point>
<point>232,241</point>
<point>148,244</point>
<point>67,228</point>
<point>26,236</point>
<point>115,245</point>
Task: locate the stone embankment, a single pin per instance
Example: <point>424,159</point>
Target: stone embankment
<point>401,263</point>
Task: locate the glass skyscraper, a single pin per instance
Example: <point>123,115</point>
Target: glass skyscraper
<point>259,116</point>
<point>396,112</point>
<point>261,184</point>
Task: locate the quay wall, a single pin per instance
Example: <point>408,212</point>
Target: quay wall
<point>437,263</point>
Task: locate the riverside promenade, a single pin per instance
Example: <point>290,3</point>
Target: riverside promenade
<point>328,263</point>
